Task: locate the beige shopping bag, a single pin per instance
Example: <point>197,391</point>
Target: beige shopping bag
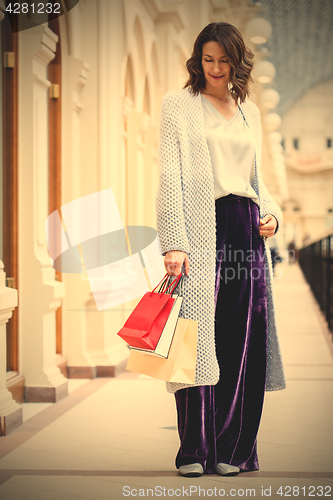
<point>180,364</point>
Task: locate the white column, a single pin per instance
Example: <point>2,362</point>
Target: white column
<point>10,411</point>
<point>108,352</point>
<point>78,292</point>
<point>40,294</point>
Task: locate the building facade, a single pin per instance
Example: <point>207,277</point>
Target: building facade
<point>307,132</point>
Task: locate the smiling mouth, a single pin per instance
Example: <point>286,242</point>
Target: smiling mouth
<point>216,77</point>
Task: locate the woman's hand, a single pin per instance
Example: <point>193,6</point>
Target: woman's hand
<point>267,225</point>
<point>173,262</point>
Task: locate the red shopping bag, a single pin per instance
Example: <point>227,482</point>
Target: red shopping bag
<point>145,324</point>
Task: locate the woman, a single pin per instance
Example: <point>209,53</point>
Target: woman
<point>214,215</point>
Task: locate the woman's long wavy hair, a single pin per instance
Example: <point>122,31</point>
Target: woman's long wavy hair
<point>239,57</point>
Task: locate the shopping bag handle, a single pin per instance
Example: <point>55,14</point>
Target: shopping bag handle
<point>164,284</point>
<point>176,282</point>
<point>164,280</point>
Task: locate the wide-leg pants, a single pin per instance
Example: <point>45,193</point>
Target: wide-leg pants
<point>219,424</point>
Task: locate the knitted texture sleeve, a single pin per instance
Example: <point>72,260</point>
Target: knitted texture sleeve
<point>169,200</point>
<point>268,205</point>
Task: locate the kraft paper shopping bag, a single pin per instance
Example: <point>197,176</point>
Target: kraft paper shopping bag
<point>180,364</point>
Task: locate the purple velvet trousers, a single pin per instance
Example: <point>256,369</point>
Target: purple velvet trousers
<point>219,423</point>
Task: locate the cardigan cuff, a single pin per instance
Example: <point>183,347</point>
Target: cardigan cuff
<point>174,250</point>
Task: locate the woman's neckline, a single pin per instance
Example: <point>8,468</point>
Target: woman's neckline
<point>219,112</point>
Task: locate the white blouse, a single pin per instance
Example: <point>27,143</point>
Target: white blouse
<point>232,150</point>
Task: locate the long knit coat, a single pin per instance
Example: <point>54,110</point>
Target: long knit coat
<point>185,208</point>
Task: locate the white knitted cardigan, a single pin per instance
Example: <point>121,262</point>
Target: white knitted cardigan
<point>185,207</point>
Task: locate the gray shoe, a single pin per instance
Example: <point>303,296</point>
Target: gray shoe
<point>191,470</point>
<point>227,469</point>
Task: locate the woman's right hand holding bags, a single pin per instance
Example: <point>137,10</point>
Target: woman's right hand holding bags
<point>173,262</point>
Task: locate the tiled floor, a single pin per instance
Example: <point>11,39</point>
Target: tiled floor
<point>113,438</point>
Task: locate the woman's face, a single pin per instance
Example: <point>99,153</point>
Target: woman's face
<point>215,65</point>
